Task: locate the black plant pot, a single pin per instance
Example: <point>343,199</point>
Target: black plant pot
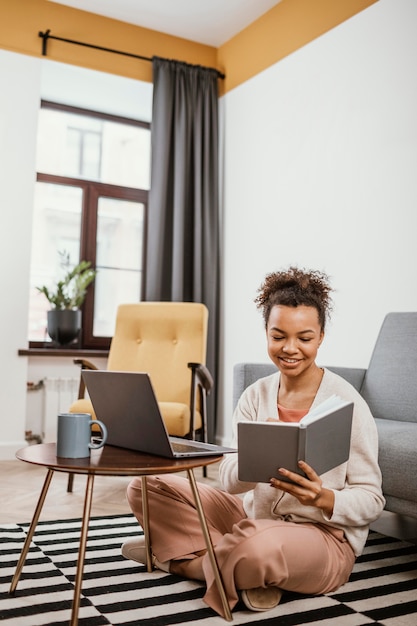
<point>64,325</point>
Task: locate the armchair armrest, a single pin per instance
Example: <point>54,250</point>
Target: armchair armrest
<point>85,365</point>
<point>201,383</point>
<point>203,375</point>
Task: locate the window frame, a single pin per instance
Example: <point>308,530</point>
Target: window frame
<point>91,192</point>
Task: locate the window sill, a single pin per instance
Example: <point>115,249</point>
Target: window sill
<point>52,352</point>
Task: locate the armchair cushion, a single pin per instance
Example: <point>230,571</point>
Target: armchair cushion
<point>177,418</point>
<point>83,405</point>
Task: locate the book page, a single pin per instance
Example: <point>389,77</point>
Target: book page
<point>327,406</point>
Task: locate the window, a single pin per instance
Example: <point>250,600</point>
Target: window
<point>91,200</point>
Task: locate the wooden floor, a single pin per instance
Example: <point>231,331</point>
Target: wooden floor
<point>21,484</point>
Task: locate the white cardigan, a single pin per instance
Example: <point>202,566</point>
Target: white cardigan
<point>356,484</point>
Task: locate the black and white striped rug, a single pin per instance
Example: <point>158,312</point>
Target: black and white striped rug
<point>382,589</point>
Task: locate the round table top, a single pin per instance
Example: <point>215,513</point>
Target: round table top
<point>110,461</point>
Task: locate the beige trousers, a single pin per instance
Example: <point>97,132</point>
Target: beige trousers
<point>306,558</point>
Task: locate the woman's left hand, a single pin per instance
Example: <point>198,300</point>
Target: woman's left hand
<point>307,489</point>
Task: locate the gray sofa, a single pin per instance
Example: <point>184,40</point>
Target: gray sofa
<point>389,386</point>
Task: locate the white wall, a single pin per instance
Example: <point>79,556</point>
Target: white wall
<point>19,104</point>
<point>320,171</point>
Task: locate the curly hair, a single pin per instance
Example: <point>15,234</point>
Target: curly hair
<point>295,287</point>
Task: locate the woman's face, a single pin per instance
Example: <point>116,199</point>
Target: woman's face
<point>294,336</point>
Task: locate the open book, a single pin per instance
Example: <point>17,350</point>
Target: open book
<point>321,439</point>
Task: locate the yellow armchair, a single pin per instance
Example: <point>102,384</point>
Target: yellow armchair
<point>168,341</point>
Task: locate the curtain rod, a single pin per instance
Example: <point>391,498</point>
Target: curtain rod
<point>46,35</point>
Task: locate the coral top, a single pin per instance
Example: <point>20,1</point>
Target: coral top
<point>290,415</point>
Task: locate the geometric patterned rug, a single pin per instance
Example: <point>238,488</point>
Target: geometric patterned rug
<point>382,588</point>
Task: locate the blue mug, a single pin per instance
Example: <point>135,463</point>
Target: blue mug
<point>74,435</point>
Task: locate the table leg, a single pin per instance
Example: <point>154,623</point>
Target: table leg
<point>209,545</point>
<point>81,552</point>
<point>146,531</point>
<point>31,531</point>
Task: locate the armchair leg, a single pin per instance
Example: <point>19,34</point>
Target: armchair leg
<point>70,483</point>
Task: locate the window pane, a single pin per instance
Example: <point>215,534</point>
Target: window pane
<point>126,155</point>
<point>80,146</point>
<point>124,287</point>
<point>56,228</point>
<point>91,155</point>
<point>119,253</point>
<point>83,154</point>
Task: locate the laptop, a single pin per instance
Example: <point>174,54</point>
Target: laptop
<point>126,403</point>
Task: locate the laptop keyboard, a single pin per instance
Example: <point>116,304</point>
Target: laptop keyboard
<point>186,447</point>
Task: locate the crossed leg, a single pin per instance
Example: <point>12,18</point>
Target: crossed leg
<point>308,558</point>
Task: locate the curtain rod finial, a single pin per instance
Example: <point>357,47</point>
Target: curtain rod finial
<point>45,37</point>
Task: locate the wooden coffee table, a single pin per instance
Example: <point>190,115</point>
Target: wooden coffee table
<point>111,461</point>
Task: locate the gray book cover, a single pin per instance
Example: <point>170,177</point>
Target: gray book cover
<point>322,439</point>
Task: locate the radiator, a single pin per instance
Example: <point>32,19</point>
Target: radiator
<point>59,394</point>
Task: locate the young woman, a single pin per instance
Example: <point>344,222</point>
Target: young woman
<point>271,538</point>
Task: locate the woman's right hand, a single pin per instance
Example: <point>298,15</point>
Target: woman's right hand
<point>307,489</point>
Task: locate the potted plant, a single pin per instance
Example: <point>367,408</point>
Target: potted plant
<point>66,299</point>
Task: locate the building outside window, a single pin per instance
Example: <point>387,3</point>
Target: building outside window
<point>91,194</point>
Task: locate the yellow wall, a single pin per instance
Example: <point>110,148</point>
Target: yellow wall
<point>285,28</point>
<point>21,21</point>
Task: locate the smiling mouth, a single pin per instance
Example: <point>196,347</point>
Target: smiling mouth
<point>286,360</point>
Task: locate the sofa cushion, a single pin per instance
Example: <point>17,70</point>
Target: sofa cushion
<point>398,458</point>
<point>390,384</point>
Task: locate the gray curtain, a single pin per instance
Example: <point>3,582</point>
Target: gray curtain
<point>182,260</point>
